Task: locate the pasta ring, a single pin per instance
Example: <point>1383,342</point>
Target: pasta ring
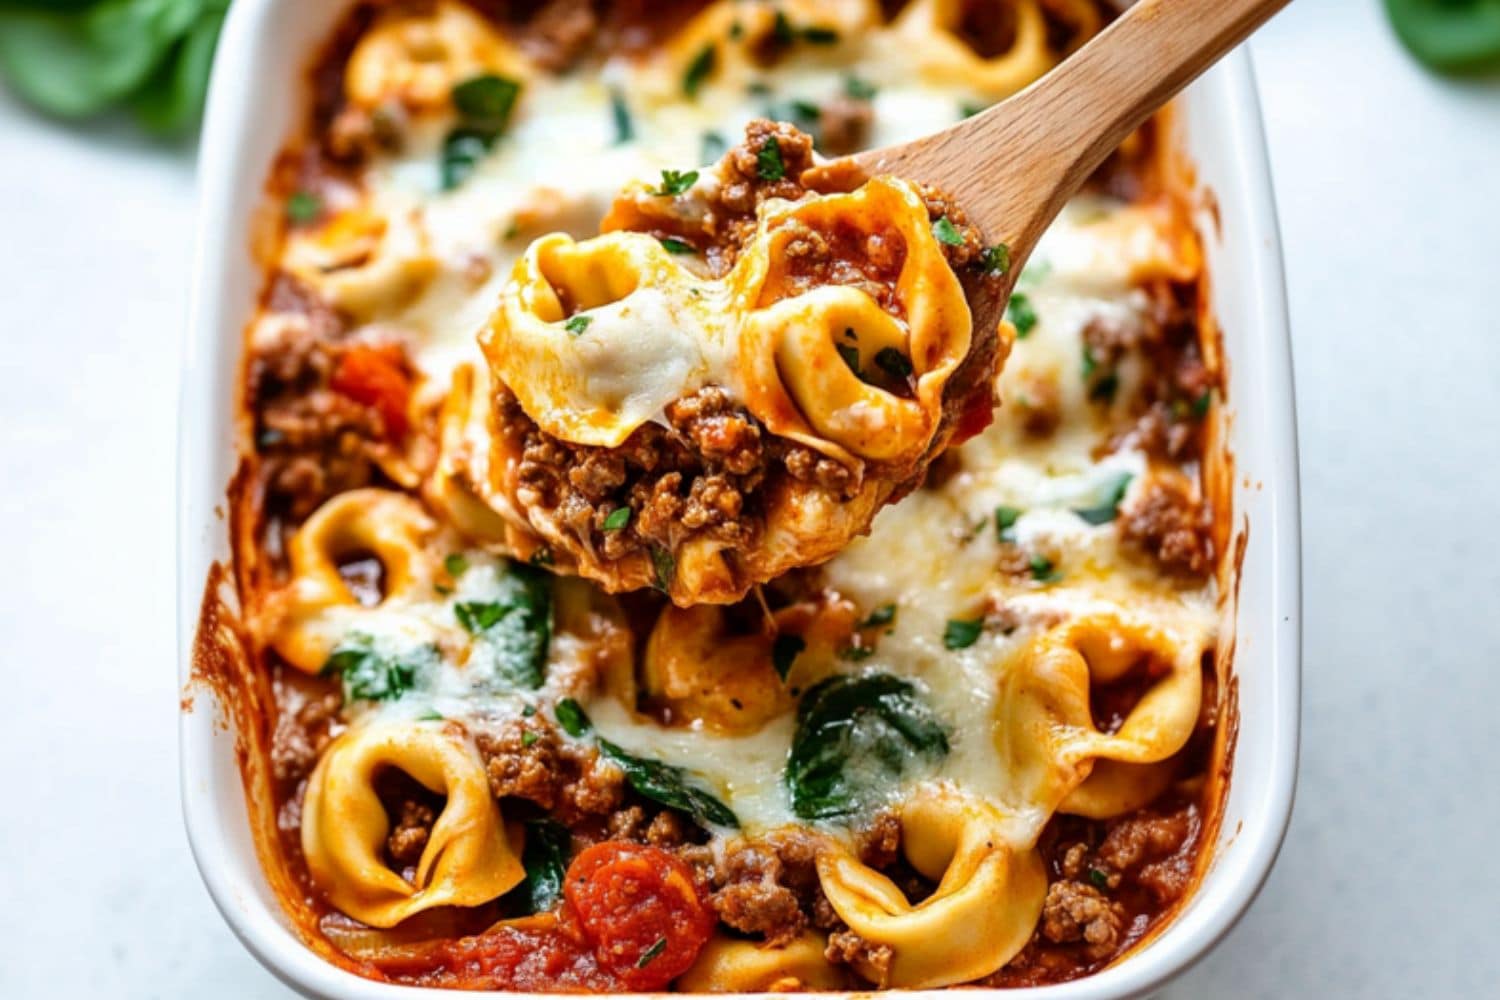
<point>983,911</point>
<point>468,859</point>
<point>930,29</point>
<point>1047,737</point>
<point>304,620</point>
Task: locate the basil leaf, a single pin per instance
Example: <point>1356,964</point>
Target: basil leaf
<point>855,737</point>
<point>549,845</point>
<point>571,716</point>
<point>172,99</point>
<point>486,101</point>
<point>369,675</point>
<point>883,615</point>
<point>463,149</point>
<point>1454,36</point>
<point>675,182</point>
<point>82,62</point>
<point>893,363</point>
<point>699,69</point>
<point>670,786</point>
<point>515,628</point>
<point>1107,511</point>
<point>961,633</point>
<point>672,244</point>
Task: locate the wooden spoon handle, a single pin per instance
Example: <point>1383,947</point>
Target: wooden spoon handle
<point>1013,166</point>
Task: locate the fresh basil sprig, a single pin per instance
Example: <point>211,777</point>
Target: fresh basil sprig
<point>80,59</point>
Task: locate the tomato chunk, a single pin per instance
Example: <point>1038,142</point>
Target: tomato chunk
<point>375,376</point>
<point>543,954</point>
<point>641,909</point>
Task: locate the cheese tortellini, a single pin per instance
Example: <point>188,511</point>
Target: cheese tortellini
<point>468,859</point>
<point>982,912</point>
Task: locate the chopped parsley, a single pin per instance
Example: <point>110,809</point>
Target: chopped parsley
<point>961,633</point>
<point>995,258</point>
<point>577,324</point>
<point>1005,522</point>
<point>858,89</point>
<point>893,363</point>
<point>768,163</point>
<point>1201,404</point>
<point>1089,364</point>
<point>620,115</point>
<point>674,182</point>
<point>455,564</point>
<point>372,675</point>
<point>1021,313</point>
<point>817,35</point>
<point>883,615</point>
<point>784,652</point>
<point>515,627</point>
<point>672,244</point>
<point>303,207</point>
<point>571,716</point>
<point>968,109</point>
<point>430,715</point>
<point>617,519</point>
<point>670,785</point>
<point>649,955</point>
<point>947,232</point>
<point>699,69</point>
<point>1043,571</point>
<point>529,737</point>
<point>1103,390</point>
<point>1099,878</point>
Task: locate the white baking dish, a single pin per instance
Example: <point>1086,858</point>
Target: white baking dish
<point>258,99</point>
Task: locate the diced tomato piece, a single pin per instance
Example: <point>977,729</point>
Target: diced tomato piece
<point>544,954</point>
<point>641,909</point>
<point>374,374</point>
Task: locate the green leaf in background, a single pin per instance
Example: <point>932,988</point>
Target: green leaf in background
<point>75,60</point>
<point>1453,36</point>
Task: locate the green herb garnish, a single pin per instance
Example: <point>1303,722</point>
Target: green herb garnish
<point>947,232</point>
<point>1099,878</point>
<point>577,324</point>
<point>674,182</point>
<point>961,633</point>
<point>1021,313</point>
<point>486,101</point>
<point>617,519</point>
<point>455,564</point>
<point>649,955</point>
<point>883,615</point>
<point>515,628</point>
<point>303,207</point>
<point>1107,511</point>
<point>768,163</point>
<point>1042,570</point>
<point>859,90</point>
<point>669,785</point>
<point>672,244</point>
<point>619,113</point>
<point>371,675</point>
<point>545,859</point>
<point>1005,522</point>
<point>995,258</point>
<point>665,568</point>
<point>855,736</point>
<point>699,69</point>
<point>571,716</point>
<point>529,737</point>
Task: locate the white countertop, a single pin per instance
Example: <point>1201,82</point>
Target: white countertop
<point>1389,187</point>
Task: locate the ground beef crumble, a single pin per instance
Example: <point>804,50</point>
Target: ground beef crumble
<point>1171,526</point>
<point>571,781</point>
<point>1075,912</point>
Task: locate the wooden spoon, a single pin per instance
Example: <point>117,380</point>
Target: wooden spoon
<point>1013,166</point>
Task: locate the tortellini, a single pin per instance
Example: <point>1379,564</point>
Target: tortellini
<point>1045,732</point>
<point>413,58</point>
<point>468,859</point>
<point>730,965</point>
<point>305,619</point>
<point>985,906</point>
<point>366,261</point>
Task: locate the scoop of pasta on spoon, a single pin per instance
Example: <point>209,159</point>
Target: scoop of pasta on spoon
<point>754,358</point>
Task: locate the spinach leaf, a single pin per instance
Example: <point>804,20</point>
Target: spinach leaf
<point>74,60</point>
<point>370,675</point>
<point>549,846</point>
<point>855,735</point>
<point>515,628</point>
<point>571,716</point>
<point>1103,513</point>
<point>670,785</point>
<point>484,104</point>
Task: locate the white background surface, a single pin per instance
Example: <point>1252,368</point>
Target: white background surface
<point>1389,188</point>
